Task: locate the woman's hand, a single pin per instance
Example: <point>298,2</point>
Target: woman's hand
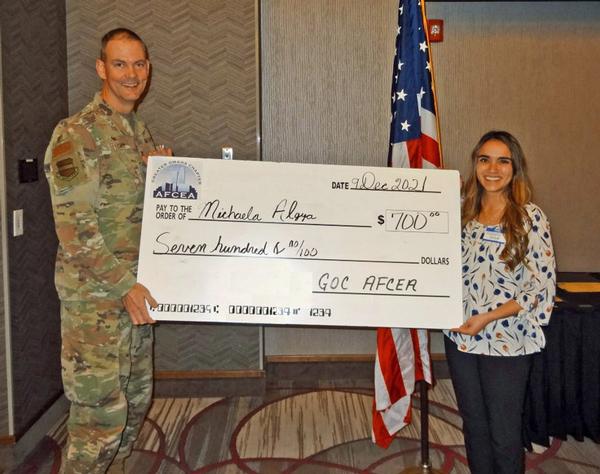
<point>474,325</point>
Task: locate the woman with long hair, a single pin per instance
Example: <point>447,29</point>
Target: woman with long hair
<point>509,284</point>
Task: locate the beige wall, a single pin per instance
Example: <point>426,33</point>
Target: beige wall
<point>326,81</point>
<point>325,68</point>
<point>528,67</point>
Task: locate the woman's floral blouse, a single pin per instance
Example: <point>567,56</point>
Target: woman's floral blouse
<point>487,283</point>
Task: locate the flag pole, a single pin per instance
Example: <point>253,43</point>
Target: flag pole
<point>433,86</point>
<point>425,467</point>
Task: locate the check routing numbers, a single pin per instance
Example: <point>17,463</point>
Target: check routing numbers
<point>284,243</point>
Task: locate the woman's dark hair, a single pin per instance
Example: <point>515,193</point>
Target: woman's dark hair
<point>515,221</point>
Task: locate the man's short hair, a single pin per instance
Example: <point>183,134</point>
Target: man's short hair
<point>120,33</point>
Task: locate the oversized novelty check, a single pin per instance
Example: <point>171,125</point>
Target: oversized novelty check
<point>283,243</point>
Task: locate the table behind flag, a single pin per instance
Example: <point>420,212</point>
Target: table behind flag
<point>286,243</point>
<point>563,396</point>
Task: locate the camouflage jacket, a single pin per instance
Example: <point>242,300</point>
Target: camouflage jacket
<point>96,176</point>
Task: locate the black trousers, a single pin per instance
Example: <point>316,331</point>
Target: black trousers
<point>490,392</point>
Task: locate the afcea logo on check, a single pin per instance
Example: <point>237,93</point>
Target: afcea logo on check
<point>177,180</point>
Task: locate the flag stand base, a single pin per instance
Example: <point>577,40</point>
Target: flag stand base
<point>425,467</point>
<point>421,470</point>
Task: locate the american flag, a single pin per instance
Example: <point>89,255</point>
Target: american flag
<point>402,358</point>
<point>403,354</point>
<point>413,131</point>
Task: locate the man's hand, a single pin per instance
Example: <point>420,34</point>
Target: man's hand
<point>160,150</point>
<point>474,325</point>
<point>135,304</point>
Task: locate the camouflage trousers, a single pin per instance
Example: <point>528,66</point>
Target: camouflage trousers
<point>107,376</point>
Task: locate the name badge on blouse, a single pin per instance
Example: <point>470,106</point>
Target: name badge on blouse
<point>494,234</point>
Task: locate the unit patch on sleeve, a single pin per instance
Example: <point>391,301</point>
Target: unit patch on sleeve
<point>66,163</point>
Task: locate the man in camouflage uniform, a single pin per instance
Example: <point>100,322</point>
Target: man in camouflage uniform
<point>95,165</point>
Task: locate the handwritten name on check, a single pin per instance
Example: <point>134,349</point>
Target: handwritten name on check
<point>285,243</point>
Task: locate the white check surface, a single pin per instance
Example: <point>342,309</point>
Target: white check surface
<point>285,243</point>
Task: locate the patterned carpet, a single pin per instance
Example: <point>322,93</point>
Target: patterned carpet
<point>300,430</point>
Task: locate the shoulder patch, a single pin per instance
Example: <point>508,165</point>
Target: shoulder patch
<point>62,149</point>
<point>66,165</point>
